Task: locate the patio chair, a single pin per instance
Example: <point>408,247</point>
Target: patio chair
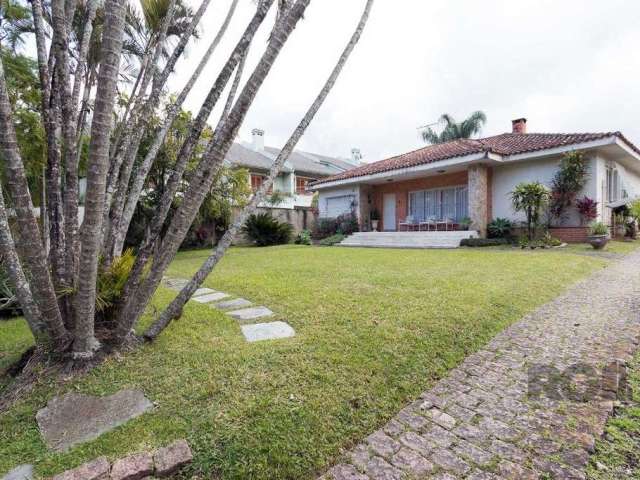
<point>408,223</point>
<point>446,222</point>
<point>428,222</point>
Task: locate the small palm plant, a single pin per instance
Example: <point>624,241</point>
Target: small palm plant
<point>530,198</point>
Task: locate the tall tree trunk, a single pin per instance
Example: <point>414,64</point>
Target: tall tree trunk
<point>203,177</point>
<point>118,181</point>
<point>149,243</point>
<point>85,342</point>
<point>234,86</point>
<point>16,275</point>
<point>28,231</point>
<point>71,192</point>
<point>174,310</point>
<point>172,111</point>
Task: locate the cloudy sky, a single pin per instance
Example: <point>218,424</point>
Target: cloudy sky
<point>567,66</point>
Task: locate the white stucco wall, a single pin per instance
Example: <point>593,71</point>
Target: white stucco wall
<point>325,194</point>
<point>506,177</point>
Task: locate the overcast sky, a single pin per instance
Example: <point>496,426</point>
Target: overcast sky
<point>568,66</point>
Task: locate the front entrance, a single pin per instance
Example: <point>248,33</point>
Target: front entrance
<point>389,212</point>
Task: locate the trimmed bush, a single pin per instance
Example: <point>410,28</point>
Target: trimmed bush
<point>499,228</point>
<point>345,224</point>
<point>483,242</point>
<point>264,230</point>
<point>303,238</point>
<point>332,240</point>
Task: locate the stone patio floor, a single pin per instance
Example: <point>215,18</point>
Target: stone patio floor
<point>528,406</point>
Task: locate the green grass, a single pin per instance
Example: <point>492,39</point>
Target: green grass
<point>374,329</point>
<point>619,450</point>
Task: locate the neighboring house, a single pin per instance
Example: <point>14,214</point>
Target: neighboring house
<point>294,201</point>
<point>474,177</point>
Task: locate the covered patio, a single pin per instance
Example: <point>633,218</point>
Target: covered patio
<point>451,199</point>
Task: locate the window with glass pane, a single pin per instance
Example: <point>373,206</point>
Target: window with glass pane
<point>439,204</point>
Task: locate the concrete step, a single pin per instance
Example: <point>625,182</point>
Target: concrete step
<point>450,239</point>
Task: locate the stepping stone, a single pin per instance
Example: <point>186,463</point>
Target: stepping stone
<point>202,291</point>
<point>21,472</point>
<point>76,418</point>
<point>250,313</point>
<point>210,297</point>
<point>267,331</point>
<point>235,303</point>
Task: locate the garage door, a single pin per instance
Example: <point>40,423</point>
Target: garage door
<point>339,205</point>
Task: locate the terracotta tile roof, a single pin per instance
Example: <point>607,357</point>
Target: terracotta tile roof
<point>504,144</point>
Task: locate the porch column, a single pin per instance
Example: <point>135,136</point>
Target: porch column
<point>478,191</point>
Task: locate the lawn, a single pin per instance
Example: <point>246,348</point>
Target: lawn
<point>374,329</point>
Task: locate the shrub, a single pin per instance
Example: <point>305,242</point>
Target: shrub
<point>530,198</point>
<point>325,227</point>
<point>599,228</point>
<point>110,281</point>
<point>587,208</point>
<point>264,230</point>
<point>303,238</point>
<point>499,228</point>
<point>550,241</point>
<point>345,224</point>
<point>332,240</point>
<point>567,183</point>
<point>483,242</point>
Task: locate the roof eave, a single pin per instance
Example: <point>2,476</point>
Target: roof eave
<point>450,162</point>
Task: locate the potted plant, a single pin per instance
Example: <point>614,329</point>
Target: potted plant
<point>464,223</point>
<point>375,219</point>
<point>599,235</point>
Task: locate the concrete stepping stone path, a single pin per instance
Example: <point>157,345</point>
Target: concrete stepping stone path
<point>76,418</point>
<point>240,309</point>
<point>267,331</point>
<point>250,313</point>
<point>210,297</point>
<point>203,291</point>
<point>234,304</point>
<point>21,472</point>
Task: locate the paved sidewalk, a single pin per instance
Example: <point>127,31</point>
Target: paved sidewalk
<point>529,405</point>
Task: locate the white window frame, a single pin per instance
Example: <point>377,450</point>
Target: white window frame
<point>440,201</point>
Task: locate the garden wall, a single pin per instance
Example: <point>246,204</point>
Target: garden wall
<point>301,218</point>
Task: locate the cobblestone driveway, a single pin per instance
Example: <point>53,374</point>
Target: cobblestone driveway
<point>529,405</point>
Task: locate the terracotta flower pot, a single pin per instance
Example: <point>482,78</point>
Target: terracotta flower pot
<point>598,241</point>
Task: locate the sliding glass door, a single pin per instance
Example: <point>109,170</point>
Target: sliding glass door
<point>439,203</point>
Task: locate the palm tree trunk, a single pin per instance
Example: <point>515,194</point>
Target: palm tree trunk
<point>85,342</point>
<point>174,310</point>
<point>172,111</point>
<point>27,226</point>
<point>149,243</point>
<point>118,183</point>
<point>16,275</point>
<point>71,151</point>
<point>205,173</point>
<point>234,86</point>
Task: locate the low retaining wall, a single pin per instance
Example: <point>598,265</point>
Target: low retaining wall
<point>570,234</point>
<point>301,218</point>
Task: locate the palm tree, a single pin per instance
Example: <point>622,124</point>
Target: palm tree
<point>454,130</point>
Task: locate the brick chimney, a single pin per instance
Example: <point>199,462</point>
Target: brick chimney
<point>519,125</point>
<point>257,137</point>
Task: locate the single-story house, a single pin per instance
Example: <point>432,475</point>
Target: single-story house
<point>473,178</point>
<point>301,169</point>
